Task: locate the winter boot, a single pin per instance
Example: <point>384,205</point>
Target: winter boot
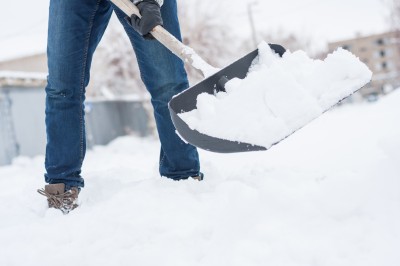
<point>198,177</point>
<point>60,199</point>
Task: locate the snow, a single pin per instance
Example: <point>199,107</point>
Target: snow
<point>198,63</point>
<point>22,75</point>
<point>133,97</point>
<point>327,196</point>
<point>278,96</point>
<point>22,79</point>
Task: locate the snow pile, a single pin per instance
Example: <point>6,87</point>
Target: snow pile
<point>198,62</point>
<point>278,96</point>
<point>328,196</point>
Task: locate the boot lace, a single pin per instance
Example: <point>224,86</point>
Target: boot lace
<point>65,202</point>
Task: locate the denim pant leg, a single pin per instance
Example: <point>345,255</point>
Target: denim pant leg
<point>164,75</point>
<point>75,28</point>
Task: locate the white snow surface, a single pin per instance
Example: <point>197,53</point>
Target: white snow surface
<point>327,196</point>
<point>22,75</point>
<point>199,63</point>
<point>278,96</point>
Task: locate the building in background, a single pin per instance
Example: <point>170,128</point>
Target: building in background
<point>36,62</point>
<point>22,117</point>
<point>381,52</point>
<point>23,75</point>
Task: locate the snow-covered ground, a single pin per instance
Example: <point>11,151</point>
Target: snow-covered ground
<point>327,196</point>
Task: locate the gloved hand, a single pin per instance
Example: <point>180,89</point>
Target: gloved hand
<point>151,17</point>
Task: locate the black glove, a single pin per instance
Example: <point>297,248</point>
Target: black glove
<point>151,17</point>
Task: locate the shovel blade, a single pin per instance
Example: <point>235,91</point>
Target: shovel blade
<point>186,101</point>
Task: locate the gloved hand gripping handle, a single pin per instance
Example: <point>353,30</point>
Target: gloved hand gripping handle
<point>187,54</point>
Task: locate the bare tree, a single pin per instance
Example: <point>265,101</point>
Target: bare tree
<point>289,40</point>
<point>203,29</point>
<point>115,69</point>
<point>394,7</point>
<point>394,20</point>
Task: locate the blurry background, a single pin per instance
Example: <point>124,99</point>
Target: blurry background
<point>220,31</point>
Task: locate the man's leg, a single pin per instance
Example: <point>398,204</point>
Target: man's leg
<point>164,76</point>
<point>75,29</point>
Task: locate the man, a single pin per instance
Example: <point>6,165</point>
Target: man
<point>75,29</point>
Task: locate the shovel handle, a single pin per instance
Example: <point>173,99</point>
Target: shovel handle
<point>127,7</point>
<point>187,54</point>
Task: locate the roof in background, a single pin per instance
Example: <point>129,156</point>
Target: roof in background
<point>22,79</point>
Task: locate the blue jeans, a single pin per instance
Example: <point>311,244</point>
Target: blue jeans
<point>75,29</point>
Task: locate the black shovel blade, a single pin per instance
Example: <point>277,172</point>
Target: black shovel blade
<point>186,101</point>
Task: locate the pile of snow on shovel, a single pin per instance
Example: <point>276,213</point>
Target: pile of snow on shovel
<point>278,96</point>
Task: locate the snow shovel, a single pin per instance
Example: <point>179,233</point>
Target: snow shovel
<point>214,81</point>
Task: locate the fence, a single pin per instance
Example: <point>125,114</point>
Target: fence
<point>8,144</point>
<point>22,128</point>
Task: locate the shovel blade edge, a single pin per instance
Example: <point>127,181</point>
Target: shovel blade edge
<point>186,101</point>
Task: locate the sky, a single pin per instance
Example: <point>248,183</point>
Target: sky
<point>329,19</point>
<point>321,21</point>
<point>23,24</point>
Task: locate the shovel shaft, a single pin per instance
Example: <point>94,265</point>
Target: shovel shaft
<point>187,54</point>
<point>127,7</point>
